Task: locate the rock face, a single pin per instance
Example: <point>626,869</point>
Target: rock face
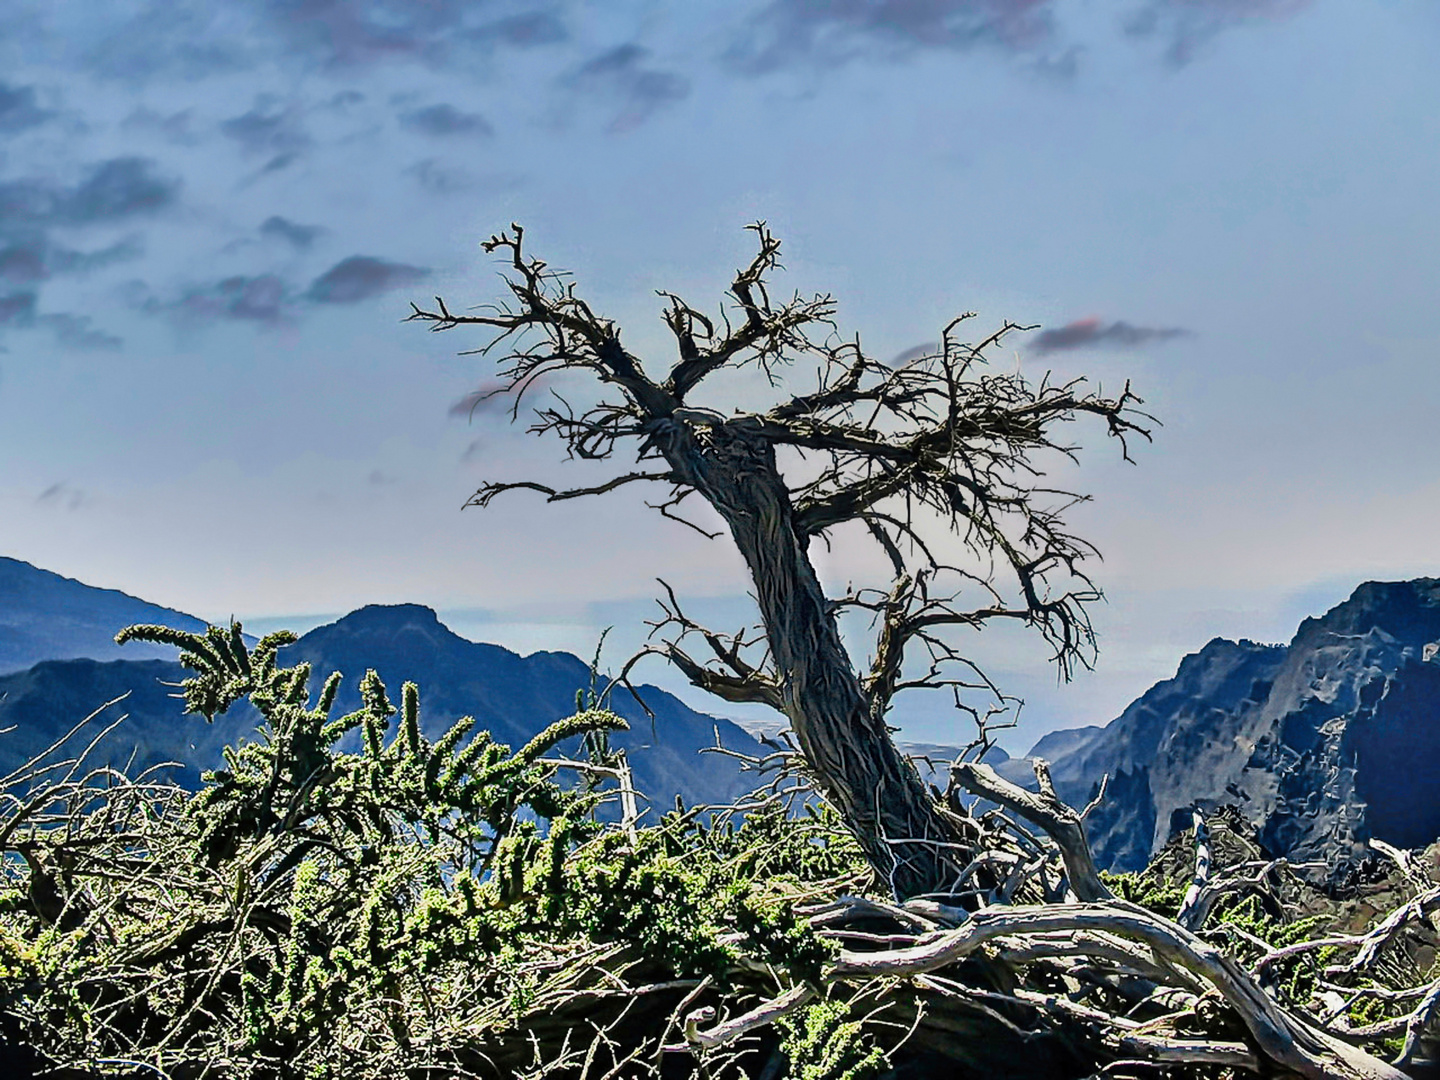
<point>1322,744</point>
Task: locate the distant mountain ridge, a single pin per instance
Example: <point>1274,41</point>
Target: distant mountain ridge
<point>44,616</point>
<point>512,696</point>
<point>1322,743</point>
<point>43,702</point>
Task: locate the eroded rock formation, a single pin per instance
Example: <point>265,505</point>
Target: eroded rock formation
<point>1322,744</point>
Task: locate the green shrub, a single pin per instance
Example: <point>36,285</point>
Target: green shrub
<point>411,909</point>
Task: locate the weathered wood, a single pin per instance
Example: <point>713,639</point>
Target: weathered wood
<point>1284,1038</point>
<point>1062,823</point>
<point>906,447</point>
<point>846,746</point>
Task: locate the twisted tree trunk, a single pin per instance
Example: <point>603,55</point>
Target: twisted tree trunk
<point>849,750</point>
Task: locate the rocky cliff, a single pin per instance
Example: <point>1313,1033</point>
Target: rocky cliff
<point>1322,744</point>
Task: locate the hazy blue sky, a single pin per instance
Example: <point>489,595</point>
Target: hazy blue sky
<point>213,216</point>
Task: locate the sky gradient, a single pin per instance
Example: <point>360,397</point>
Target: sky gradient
<point>213,217</point>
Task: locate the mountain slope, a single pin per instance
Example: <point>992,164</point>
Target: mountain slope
<point>44,616</point>
<point>1322,744</point>
<point>43,702</point>
<point>514,697</point>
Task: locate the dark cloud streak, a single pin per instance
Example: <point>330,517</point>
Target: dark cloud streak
<point>355,33</point>
<point>266,130</point>
<point>789,33</point>
<point>77,332</point>
<point>112,191</point>
<point>442,179</point>
<point>18,312</point>
<point>620,74</point>
<point>177,127</point>
<point>18,110</point>
<point>263,298</point>
<point>267,299</point>
<point>1092,333</point>
<point>359,278</point>
<point>63,495</point>
<point>444,120</point>
<point>524,31</point>
<point>1190,25</point>
<point>487,398</point>
<point>299,236</point>
<point>17,309</point>
<point>30,256</point>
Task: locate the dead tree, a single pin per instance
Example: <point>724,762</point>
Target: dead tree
<point>935,456</point>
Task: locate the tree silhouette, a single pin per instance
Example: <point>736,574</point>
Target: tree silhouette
<point>936,456</point>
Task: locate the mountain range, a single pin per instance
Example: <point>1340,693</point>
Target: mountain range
<point>1322,744</point>
<point>44,616</point>
<point>514,697</point>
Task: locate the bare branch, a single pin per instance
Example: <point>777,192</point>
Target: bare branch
<point>488,491</point>
<point>1061,822</point>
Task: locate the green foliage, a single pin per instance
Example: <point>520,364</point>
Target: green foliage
<point>698,896</point>
<point>822,1043</point>
<point>1372,1010</point>
<point>1249,914</point>
<point>407,908</point>
<point>1147,889</point>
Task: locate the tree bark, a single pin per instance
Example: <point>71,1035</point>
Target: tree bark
<point>854,760</point>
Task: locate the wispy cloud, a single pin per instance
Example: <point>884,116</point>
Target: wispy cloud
<point>263,298</point>
<point>915,352</point>
<point>78,332</point>
<point>341,33</point>
<point>63,496</point>
<point>146,39</point>
<point>353,33</point>
<point>177,127</point>
<point>32,208</point>
<point>31,255</point>
<point>299,236</point>
<point>487,398</point>
<point>1093,333</point>
<point>268,128</point>
<point>18,108</point>
<point>268,299</point>
<point>444,120</point>
<point>111,191</point>
<point>359,278</point>
<point>1189,25</point>
<point>529,30</point>
<point>17,309</point>
<point>789,33</point>
<point>621,75</point>
<point>441,179</point>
